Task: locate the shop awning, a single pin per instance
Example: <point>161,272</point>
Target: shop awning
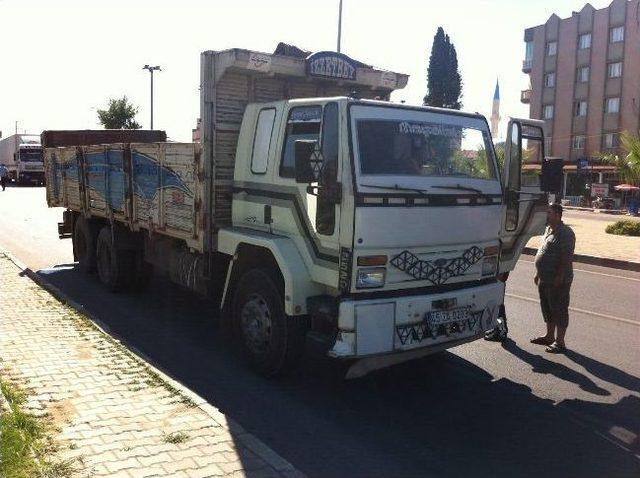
<point>626,187</point>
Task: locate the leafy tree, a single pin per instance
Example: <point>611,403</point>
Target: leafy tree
<point>444,83</point>
<point>627,164</point>
<point>120,114</point>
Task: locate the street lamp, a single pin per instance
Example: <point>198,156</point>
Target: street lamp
<point>339,25</point>
<point>151,70</point>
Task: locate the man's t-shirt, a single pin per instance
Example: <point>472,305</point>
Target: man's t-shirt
<point>556,245</point>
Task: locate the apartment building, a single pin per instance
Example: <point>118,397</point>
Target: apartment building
<point>584,74</point>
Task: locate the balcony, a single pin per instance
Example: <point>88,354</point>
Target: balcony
<point>525,96</point>
<point>526,66</point>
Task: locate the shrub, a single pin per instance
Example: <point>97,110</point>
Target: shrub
<point>624,227</point>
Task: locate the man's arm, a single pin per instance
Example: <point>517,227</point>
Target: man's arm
<point>567,247</point>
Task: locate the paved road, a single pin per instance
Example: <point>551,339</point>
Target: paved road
<point>480,410</point>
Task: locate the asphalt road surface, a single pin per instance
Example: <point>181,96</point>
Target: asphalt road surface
<point>483,409</point>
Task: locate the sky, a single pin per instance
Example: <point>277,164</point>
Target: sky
<point>61,60</point>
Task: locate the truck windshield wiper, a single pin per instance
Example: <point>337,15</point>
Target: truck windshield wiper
<point>459,187</point>
<point>395,187</point>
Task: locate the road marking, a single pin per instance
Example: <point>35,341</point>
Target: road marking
<point>596,273</point>
<point>580,311</point>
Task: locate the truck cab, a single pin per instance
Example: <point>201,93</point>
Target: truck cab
<point>391,224</point>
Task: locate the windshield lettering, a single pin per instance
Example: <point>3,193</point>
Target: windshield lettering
<point>428,129</point>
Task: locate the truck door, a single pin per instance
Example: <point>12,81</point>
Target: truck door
<point>525,204</point>
<point>318,191</point>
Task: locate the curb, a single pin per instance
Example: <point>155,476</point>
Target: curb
<point>253,443</point>
<point>614,212</point>
<point>595,261</point>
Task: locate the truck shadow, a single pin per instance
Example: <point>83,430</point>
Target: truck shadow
<point>439,416</point>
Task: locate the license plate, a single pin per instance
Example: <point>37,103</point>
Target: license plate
<point>440,317</point>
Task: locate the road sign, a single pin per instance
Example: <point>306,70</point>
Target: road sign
<point>599,189</point>
<point>582,166</point>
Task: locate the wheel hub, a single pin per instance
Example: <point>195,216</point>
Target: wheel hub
<point>256,323</point>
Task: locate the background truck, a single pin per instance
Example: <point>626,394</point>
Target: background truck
<point>22,155</point>
<point>312,208</point>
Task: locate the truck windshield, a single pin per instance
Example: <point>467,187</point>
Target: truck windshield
<point>397,141</point>
<point>30,155</point>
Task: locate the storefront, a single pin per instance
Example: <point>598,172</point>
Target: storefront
<point>581,186</point>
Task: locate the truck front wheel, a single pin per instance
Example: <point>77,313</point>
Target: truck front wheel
<point>114,264</point>
<point>272,341</point>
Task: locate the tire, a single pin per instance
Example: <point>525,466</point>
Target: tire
<point>114,265</point>
<point>84,245</point>
<point>272,342</point>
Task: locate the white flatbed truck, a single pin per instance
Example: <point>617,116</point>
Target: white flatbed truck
<point>313,206</point>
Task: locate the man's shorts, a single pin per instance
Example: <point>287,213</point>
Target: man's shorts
<point>554,302</point>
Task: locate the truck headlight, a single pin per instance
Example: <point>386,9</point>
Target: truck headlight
<point>370,278</point>
<point>490,266</point>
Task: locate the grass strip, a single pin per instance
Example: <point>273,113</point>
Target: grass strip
<point>27,448</point>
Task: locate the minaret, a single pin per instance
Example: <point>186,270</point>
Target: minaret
<point>495,112</point>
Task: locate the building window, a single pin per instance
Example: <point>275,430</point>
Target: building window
<point>528,50</point>
<point>547,112</point>
<point>616,34</point>
<point>581,108</point>
<point>584,41</point>
<point>614,70</point>
<point>583,74</point>
<point>550,80</point>
<point>610,140</point>
<point>612,105</point>
<point>578,142</point>
<point>547,145</point>
<point>552,48</point>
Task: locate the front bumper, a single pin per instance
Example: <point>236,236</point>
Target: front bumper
<point>396,325</point>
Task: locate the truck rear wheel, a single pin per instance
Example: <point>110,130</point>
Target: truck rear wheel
<point>84,245</point>
<point>114,264</point>
<point>272,341</point>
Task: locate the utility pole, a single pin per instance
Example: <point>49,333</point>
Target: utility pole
<point>151,70</point>
<point>339,25</point>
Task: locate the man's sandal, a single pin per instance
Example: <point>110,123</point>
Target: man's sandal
<point>555,348</point>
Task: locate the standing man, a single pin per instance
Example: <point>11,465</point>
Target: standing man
<point>4,175</point>
<point>554,274</point>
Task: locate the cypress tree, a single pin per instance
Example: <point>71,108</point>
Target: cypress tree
<point>444,83</point>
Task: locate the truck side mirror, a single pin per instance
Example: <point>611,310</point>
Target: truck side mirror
<point>303,150</point>
<point>551,175</point>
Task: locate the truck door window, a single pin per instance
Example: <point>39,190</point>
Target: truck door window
<point>326,209</point>
<point>262,141</point>
<point>303,123</point>
<point>532,152</point>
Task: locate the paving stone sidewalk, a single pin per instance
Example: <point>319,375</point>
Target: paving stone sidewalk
<point>593,241</point>
<point>116,415</point>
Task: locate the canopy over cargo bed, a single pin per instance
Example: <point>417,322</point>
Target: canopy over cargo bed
<point>231,79</point>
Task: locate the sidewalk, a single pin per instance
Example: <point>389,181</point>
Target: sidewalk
<point>117,416</point>
<point>592,240</point>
